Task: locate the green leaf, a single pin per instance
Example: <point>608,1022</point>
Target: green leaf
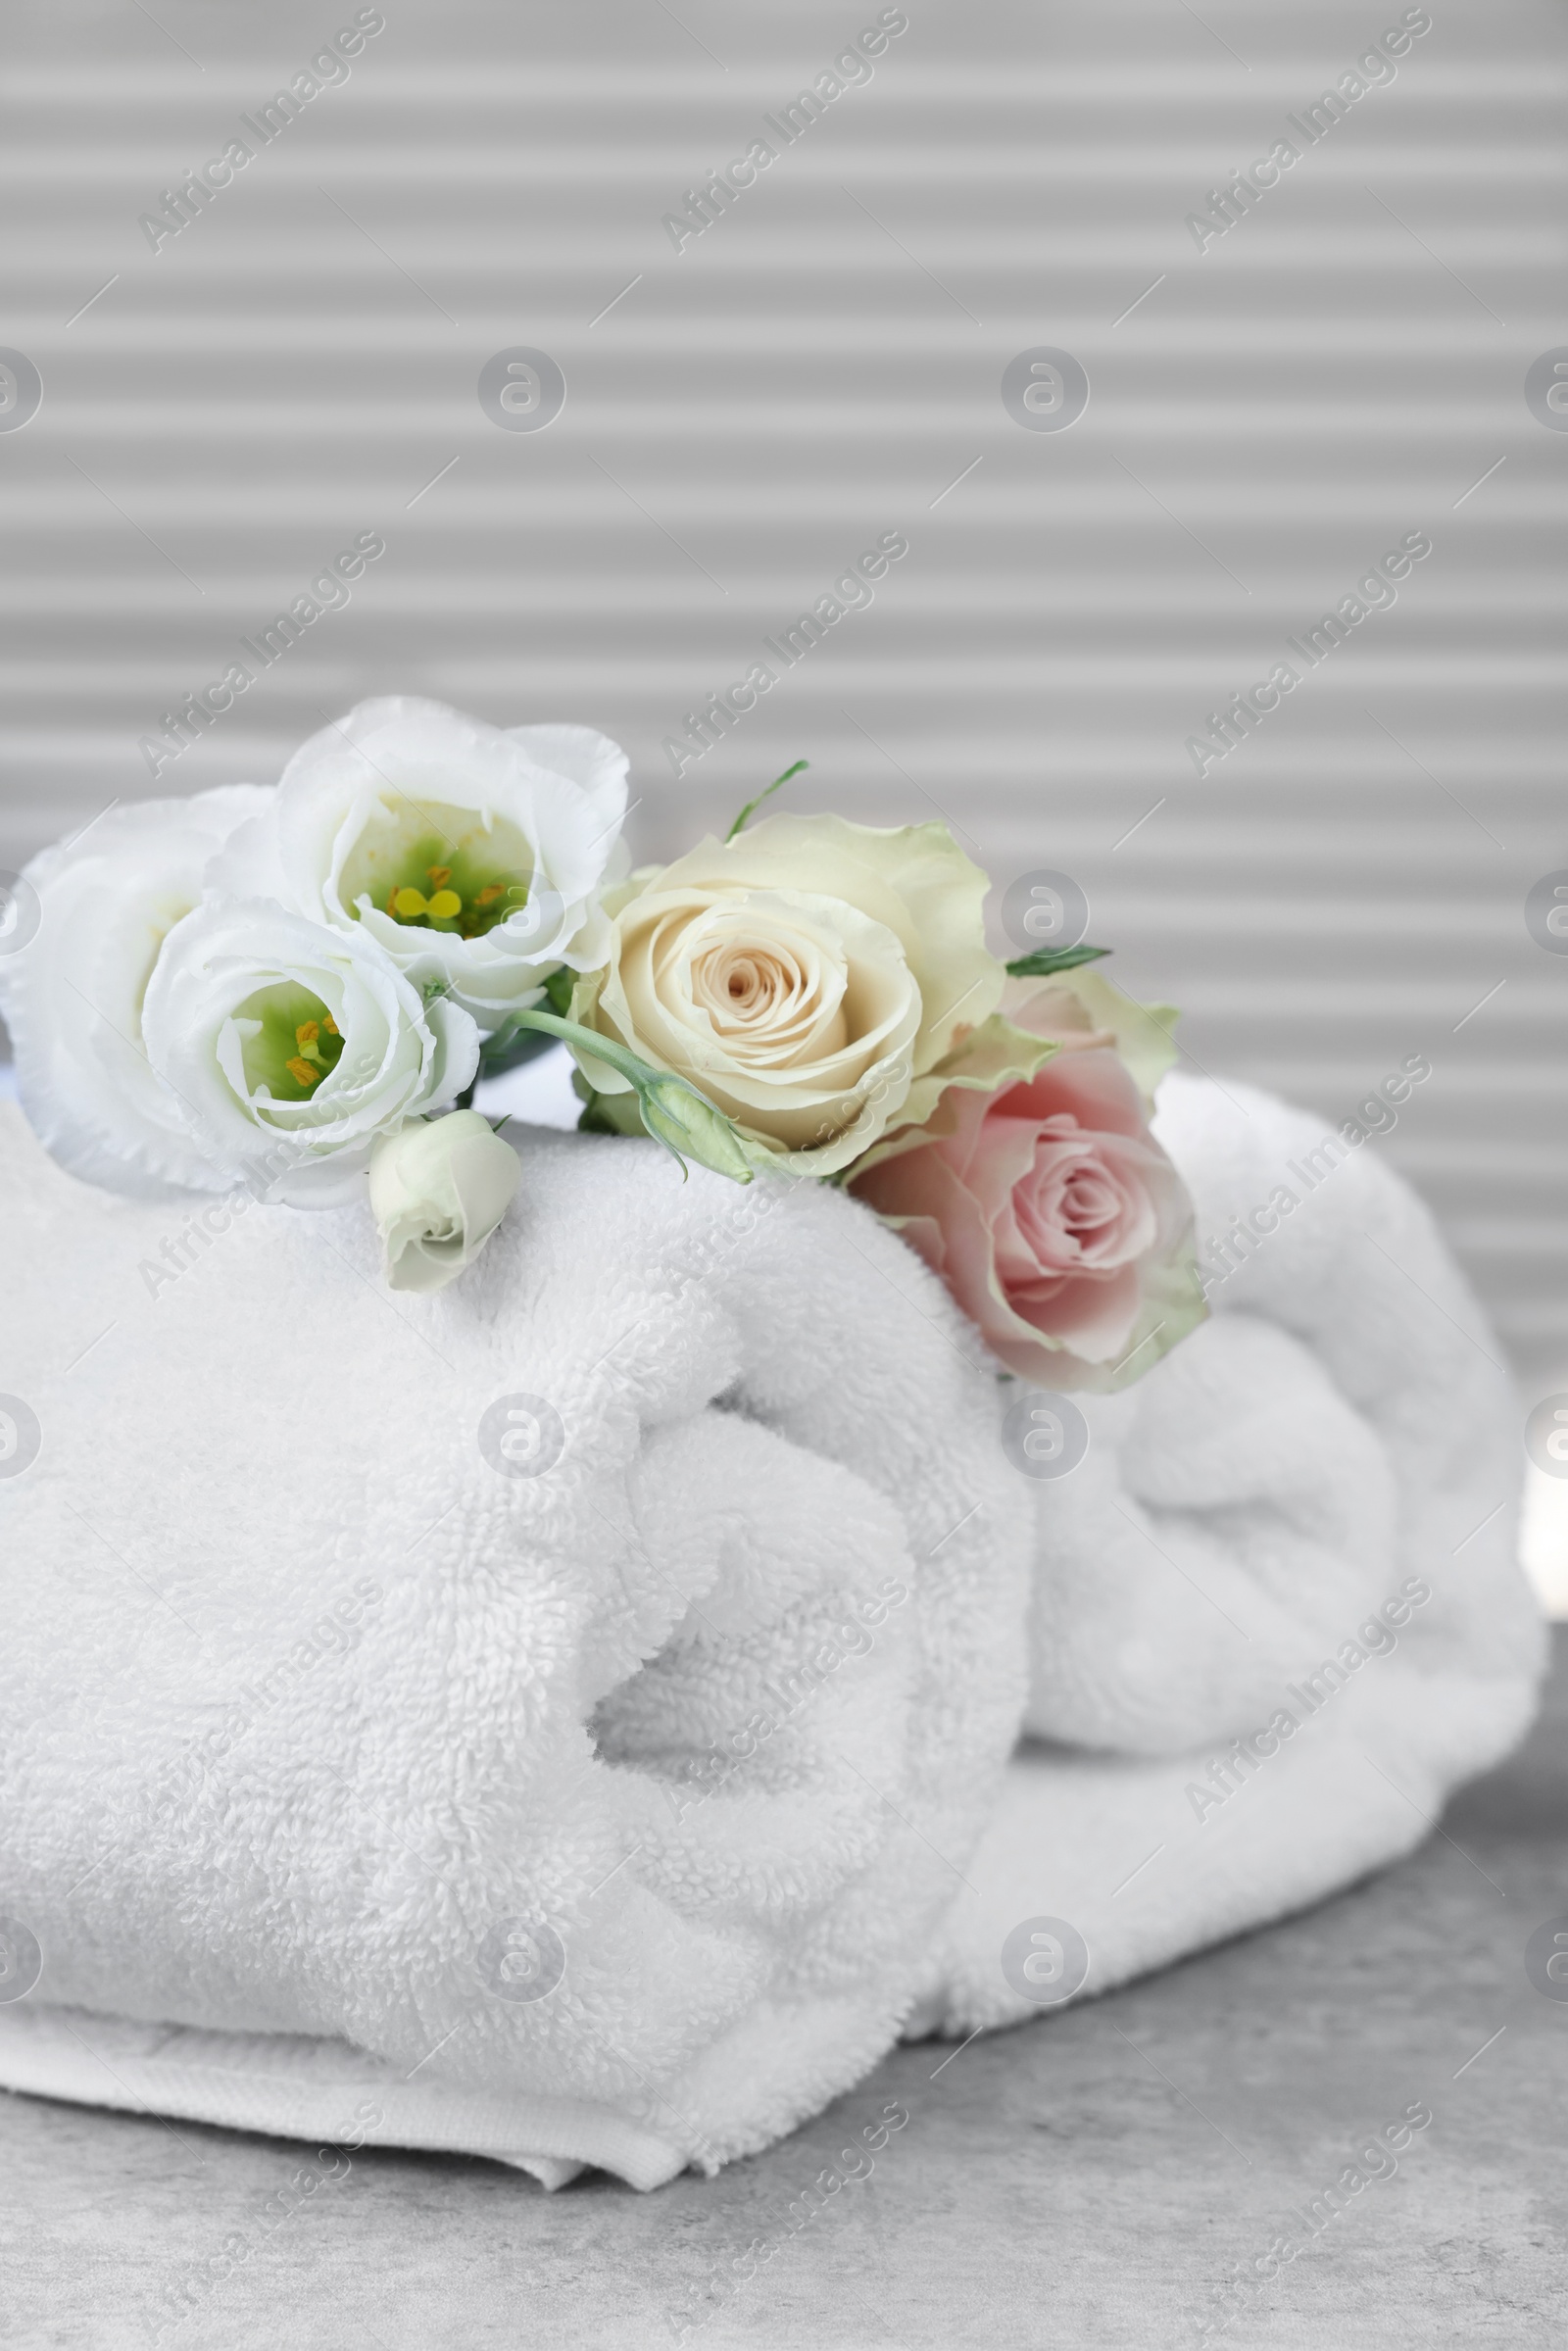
<point>752,806</point>
<point>673,1112</point>
<point>1046,959</point>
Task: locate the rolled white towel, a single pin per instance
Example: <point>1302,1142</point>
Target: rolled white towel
<point>1301,1524</point>
<point>767,1405</point>
<point>564,1703</point>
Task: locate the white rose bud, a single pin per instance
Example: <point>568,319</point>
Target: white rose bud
<point>439,1189</point>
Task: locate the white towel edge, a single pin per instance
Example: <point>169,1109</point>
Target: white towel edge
<point>552,2138</point>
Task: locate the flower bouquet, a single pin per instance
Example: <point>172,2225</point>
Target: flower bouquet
<point>295,989</point>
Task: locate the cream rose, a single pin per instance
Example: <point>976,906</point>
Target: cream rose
<point>805,977</point>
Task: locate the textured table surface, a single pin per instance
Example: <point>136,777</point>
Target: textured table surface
<point>1090,2179</point>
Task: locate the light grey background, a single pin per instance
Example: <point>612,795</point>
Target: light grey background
<point>1266,417</point>
<point>1342,368</point>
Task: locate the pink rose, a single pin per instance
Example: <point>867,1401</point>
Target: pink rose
<point>1052,1216</point>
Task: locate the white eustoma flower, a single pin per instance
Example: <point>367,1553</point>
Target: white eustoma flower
<point>292,1049</point>
<point>73,995</point>
<point>439,1189</point>
<point>473,854</point>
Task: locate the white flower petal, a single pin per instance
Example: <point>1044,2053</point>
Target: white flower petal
<point>539,806</point>
<point>73,996</point>
<point>398,1059</point>
<point>589,759</point>
<point>439,1189</point>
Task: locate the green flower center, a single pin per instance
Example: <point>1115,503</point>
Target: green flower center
<point>289,1040</point>
<point>460,879</point>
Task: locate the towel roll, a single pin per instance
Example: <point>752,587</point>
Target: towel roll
<point>567,1718</point>
<point>1277,1612</point>
<point>573,1697</point>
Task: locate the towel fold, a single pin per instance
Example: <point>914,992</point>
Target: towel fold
<point>577,1691</point>
<point>1303,1524</point>
<point>567,1718</point>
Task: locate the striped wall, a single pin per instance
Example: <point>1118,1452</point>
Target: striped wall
<point>1273,405</point>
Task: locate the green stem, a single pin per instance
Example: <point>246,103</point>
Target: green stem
<point>703,1131</point>
<point>603,1048</point>
<point>752,806</point>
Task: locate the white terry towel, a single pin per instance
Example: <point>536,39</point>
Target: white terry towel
<point>579,1778</point>
<point>1247,1539</point>
<point>1254,1511</point>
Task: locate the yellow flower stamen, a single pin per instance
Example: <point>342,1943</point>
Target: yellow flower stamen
<point>302,1074</point>
<point>306,1033</point>
<point>490,893</point>
<point>438,877</point>
<point>330,1025</point>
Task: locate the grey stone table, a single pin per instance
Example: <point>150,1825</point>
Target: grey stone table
<point>1090,2179</point>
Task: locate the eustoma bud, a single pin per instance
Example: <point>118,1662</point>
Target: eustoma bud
<point>673,1112</point>
<point>677,1116</point>
<point>439,1189</point>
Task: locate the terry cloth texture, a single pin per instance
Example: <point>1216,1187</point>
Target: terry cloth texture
<point>574,1786</point>
<point>1301,1524</point>
<point>577,1691</point>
